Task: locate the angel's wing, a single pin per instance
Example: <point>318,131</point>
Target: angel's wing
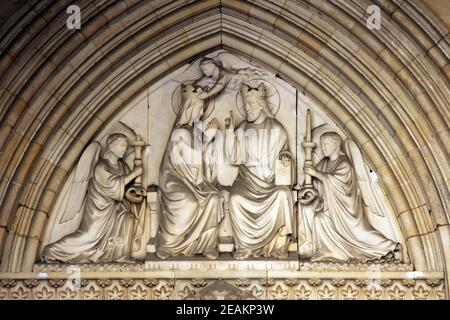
<point>370,192</point>
<point>73,201</point>
<point>229,60</point>
<point>190,73</point>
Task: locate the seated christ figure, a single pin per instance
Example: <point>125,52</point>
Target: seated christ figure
<point>261,212</point>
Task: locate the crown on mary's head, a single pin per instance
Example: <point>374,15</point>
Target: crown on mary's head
<point>189,90</point>
<point>259,91</point>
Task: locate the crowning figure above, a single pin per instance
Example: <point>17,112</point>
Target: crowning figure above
<point>261,212</point>
<point>223,77</point>
<point>192,206</point>
<point>341,231</point>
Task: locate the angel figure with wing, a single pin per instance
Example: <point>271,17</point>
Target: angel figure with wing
<point>341,227</point>
<point>105,233</point>
<point>215,77</point>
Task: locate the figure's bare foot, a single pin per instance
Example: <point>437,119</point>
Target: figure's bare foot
<point>162,254</point>
<point>280,255</point>
<point>317,257</point>
<point>242,255</point>
<point>125,260</point>
<point>211,254</point>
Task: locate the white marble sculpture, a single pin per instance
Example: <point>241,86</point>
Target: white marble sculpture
<point>107,229</point>
<point>250,165</point>
<point>341,230</point>
<point>191,205</point>
<point>261,212</point>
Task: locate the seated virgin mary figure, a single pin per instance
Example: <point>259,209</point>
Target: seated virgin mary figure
<point>192,206</point>
<point>261,212</point>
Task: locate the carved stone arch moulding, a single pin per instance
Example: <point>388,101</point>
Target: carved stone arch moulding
<point>387,93</point>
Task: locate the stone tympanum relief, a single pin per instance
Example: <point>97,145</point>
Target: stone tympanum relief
<point>112,228</point>
<point>229,148</point>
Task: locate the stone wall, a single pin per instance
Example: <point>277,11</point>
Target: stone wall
<point>388,88</point>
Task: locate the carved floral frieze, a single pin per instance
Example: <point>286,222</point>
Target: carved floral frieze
<point>179,289</point>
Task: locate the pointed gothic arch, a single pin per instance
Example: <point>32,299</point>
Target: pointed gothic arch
<point>388,90</point>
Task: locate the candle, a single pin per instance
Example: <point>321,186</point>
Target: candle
<point>308,125</point>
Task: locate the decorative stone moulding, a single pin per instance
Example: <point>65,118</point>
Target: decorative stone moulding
<point>133,285</point>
